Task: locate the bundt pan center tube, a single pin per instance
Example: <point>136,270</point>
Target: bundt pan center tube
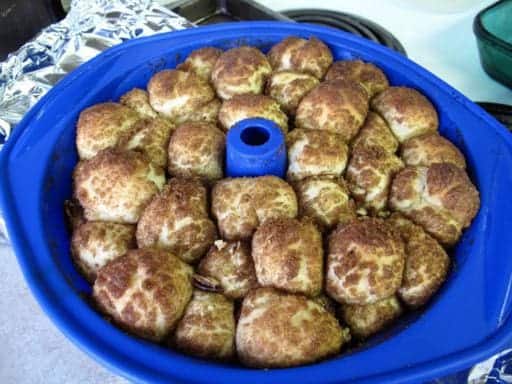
<point>255,147</point>
<point>467,321</point>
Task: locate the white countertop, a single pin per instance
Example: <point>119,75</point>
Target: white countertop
<point>32,350</point>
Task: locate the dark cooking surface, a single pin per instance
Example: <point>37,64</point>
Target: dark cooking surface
<point>502,112</point>
<point>219,11</point>
<point>347,22</point>
<point>21,20</point>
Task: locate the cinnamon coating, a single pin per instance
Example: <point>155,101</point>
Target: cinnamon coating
<point>407,112</point>
<point>197,150</point>
<point>240,205</point>
<point>116,185</point>
<point>177,220</point>
<point>300,55</point>
<point>101,126</point>
<point>365,262</point>
<point>372,79</point>
<point>440,198</point>
<point>144,291</point>
<point>239,71</point>
<point>288,255</point>
<point>337,106</point>
<point>278,329</point>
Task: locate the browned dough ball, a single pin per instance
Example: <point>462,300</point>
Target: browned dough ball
<point>201,62</point>
<point>95,243</point>
<point>429,149</point>
<point>426,263</point>
<point>116,185</point>
<point>207,328</point>
<point>326,200</point>
<point>233,208</point>
<point>208,113</point>
<point>365,261</point>
<point>375,133</point>
<point>101,126</point>
<point>230,263</point>
<point>315,153</point>
<point>288,255</point>
<point>242,107</point>
<point>368,75</point>
<point>369,174</point>
<point>288,88</point>
<point>241,204</point>
<point>145,291</point>
<point>440,198</point>
<point>239,71</point>
<point>329,304</point>
<point>365,320</point>
<point>337,106</point>
<point>308,56</point>
<point>197,150</point>
<point>278,329</point>
<point>177,220</point>
<point>407,112</point>
<point>182,96</point>
<point>151,137</point>
<point>138,100</point>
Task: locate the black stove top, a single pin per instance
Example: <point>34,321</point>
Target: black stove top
<point>501,112</point>
<point>347,22</point>
<point>21,20</point>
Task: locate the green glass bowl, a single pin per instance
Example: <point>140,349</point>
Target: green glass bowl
<point>493,30</point>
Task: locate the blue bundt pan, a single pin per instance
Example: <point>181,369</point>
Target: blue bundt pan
<point>466,322</point>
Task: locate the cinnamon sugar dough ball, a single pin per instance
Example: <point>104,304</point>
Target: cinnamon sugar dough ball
<point>337,106</point>
<point>208,113</point>
<point>116,185</point>
<point>300,55</point>
<point>182,96</point>
<point>407,112</point>
<point>369,174</point>
<point>207,328</point>
<point>233,208</point>
<point>367,319</point>
<point>326,200</point>
<point>144,291</point>
<point>240,205</point>
<point>328,303</point>
<point>197,150</point>
<point>365,262</point>
<point>315,153</point>
<point>240,71</point>
<point>242,107</point>
<point>440,198</point>
<point>288,255</point>
<point>429,149</point>
<point>101,126</point>
<point>177,220</point>
<point>201,62</point>
<point>138,100</point>
<point>278,329</point>
<point>426,263</point>
<point>151,137</point>
<point>95,243</point>
<point>288,88</point>
<point>230,263</point>
<point>273,198</point>
<point>375,132</point>
<point>368,75</point>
